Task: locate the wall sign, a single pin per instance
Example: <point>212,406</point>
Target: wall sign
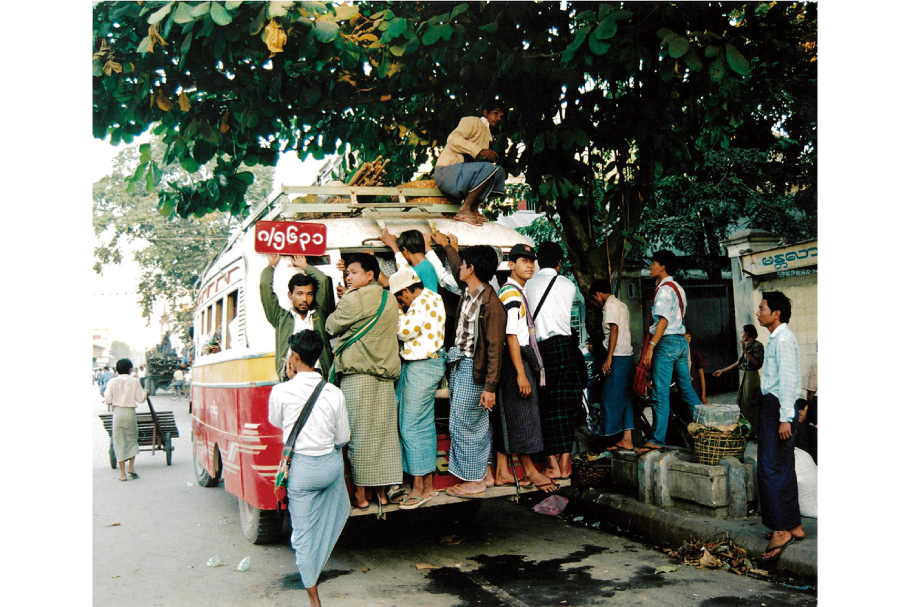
<point>775,260</point>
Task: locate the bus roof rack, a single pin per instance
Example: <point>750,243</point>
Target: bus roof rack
<point>385,210</point>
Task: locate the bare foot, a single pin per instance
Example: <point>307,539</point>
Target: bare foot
<point>553,473</point>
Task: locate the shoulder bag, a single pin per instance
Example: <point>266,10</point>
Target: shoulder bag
<point>640,382</point>
<point>360,333</point>
<point>284,468</point>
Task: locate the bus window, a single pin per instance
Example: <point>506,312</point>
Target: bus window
<point>219,308</point>
<point>231,335</point>
<point>208,320</point>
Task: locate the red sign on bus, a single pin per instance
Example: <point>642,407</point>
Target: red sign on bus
<point>290,238</point>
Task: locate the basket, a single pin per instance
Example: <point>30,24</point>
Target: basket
<point>591,474</point>
<point>711,446</point>
<point>425,183</point>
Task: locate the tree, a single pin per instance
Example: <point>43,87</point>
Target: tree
<point>171,251</point>
<point>120,350</point>
<point>605,98</point>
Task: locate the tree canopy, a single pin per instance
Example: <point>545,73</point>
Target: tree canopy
<point>605,99</point>
<point>171,251</point>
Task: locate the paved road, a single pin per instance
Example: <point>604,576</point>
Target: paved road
<point>153,536</point>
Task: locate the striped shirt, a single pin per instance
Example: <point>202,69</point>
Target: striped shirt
<point>516,313</point>
<point>467,321</point>
<point>781,370</point>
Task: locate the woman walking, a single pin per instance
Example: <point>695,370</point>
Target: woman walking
<point>750,362</point>
<point>125,393</point>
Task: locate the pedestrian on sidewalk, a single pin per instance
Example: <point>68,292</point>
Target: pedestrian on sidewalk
<point>125,393</point>
<point>753,356</point>
<point>780,386</point>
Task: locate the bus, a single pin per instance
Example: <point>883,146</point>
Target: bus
<point>234,369</point>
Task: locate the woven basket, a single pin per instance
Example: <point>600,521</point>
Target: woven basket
<point>426,183</point>
<point>591,474</point>
<point>711,446</point>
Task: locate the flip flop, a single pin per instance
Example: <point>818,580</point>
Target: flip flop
<point>644,449</point>
<point>396,491</point>
<point>779,549</point>
<point>361,508</point>
<point>522,482</point>
<point>420,502</point>
<point>552,483</point>
<point>796,538</point>
<point>468,220</point>
<point>457,491</point>
<point>123,480</point>
<point>133,475</point>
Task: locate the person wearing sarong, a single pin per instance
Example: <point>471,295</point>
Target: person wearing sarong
<point>411,249</point>
<point>750,362</point>
<point>465,169</point>
<point>476,363</point>
<point>516,426</point>
<point>617,368</point>
<point>421,331</point>
<point>124,394</point>
<point>550,298</point>
<point>368,367</point>
<point>780,387</point>
<point>317,495</point>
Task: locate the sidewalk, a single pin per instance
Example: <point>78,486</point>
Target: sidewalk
<point>676,526</point>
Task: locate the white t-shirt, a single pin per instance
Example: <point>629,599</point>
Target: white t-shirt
<point>555,316</point>
<point>327,427</point>
<point>617,313</point>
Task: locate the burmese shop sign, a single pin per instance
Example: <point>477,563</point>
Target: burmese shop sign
<point>775,260</point>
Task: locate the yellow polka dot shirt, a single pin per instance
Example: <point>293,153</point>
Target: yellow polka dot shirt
<point>422,328</point>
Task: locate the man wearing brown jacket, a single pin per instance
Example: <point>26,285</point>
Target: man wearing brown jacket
<point>476,360</point>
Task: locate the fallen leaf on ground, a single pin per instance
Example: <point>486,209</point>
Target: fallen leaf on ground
<point>426,566</point>
<point>114,525</point>
<point>708,560</point>
<point>365,569</point>
<point>667,569</point>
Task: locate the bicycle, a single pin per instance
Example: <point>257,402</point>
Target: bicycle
<point>173,392</point>
<point>677,424</point>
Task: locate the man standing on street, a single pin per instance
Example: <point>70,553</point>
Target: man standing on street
<point>366,323</point>
<point>780,386</point>
<point>311,302</point>
<point>550,297</point>
<point>668,351</point>
<point>475,178</point>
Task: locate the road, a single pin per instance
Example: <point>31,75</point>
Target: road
<point>153,536</point>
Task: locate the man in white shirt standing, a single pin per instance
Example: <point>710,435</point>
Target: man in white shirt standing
<point>317,495</point>
<point>780,387</point>
<point>617,368</point>
<point>668,350</point>
<point>550,297</point>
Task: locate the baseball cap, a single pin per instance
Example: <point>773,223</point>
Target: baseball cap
<point>522,250</point>
<point>402,279</point>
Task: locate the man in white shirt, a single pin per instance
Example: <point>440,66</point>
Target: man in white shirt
<point>668,349</point>
<point>317,495</point>
<point>550,297</point>
<point>617,368</point>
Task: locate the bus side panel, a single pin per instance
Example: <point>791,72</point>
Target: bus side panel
<point>260,447</point>
<point>221,417</point>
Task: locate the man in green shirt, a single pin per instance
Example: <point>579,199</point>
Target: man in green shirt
<point>311,303</point>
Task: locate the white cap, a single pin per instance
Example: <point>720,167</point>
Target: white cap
<point>402,279</point>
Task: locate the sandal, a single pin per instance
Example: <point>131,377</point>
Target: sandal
<point>457,491</point>
<point>133,475</point>
<point>779,548</point>
<point>420,502</point>
<point>471,220</point>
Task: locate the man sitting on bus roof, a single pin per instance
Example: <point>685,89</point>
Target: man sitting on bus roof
<point>311,303</point>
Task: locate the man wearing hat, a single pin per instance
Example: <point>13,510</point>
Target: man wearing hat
<point>668,353</point>
<point>421,331</point>
<point>516,429</point>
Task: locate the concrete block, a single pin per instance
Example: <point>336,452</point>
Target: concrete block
<point>750,459</point>
<point>661,492</point>
<point>646,465</point>
<point>736,487</point>
<point>705,485</point>
<point>625,469</point>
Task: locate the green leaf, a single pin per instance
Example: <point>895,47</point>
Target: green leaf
<point>736,61</point>
<point>597,46</point>
<point>458,10</point>
<point>312,95</point>
<point>232,4</point>
<point>580,36</point>
<point>539,144</point>
<point>606,29</point>
<point>325,31</point>
<point>145,153</point>
<point>679,46</point>
<point>446,31</point>
<point>693,62</point>
<point>604,9</point>
<point>189,165</point>
<point>97,69</point>
<point>220,15</point>
<point>490,27</point>
<point>716,70</point>
<point>411,46</point>
<point>152,177</point>
<point>182,14</point>
<point>161,13</point>
<point>397,27</point>
<point>397,50</point>
<point>143,47</point>
<point>246,176</point>
<point>712,50</point>
<point>279,8</point>
<point>345,12</point>
<point>621,15</point>
<point>201,9</point>
<point>432,35</point>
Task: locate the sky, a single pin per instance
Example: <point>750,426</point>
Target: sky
<point>114,293</point>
